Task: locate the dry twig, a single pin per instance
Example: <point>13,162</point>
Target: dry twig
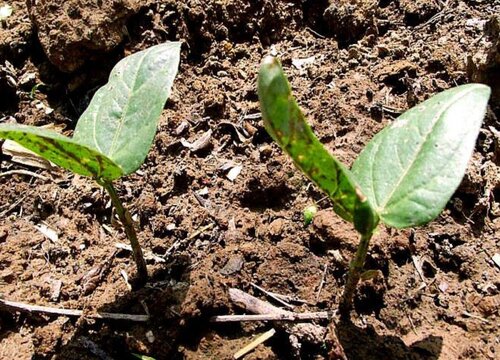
<point>322,283</point>
<point>289,298</point>
<point>301,332</point>
<point>417,262</point>
<point>321,315</point>
<point>24,172</point>
<point>468,314</point>
<point>259,340</point>
<point>273,296</point>
<point>19,306</point>
<point>176,245</point>
<point>13,206</point>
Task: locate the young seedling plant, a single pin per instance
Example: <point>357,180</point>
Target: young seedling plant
<point>114,134</point>
<point>404,176</point>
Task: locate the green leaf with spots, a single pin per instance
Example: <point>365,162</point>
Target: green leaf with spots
<point>122,117</point>
<point>411,169</point>
<point>62,151</point>
<point>285,123</point>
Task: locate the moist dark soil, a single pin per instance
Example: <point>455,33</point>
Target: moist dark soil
<point>367,62</point>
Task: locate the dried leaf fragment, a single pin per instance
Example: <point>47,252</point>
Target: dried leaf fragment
<point>49,232</point>
<point>234,172</point>
<point>496,259</point>
<point>302,63</point>
<point>19,154</point>
<point>201,143</point>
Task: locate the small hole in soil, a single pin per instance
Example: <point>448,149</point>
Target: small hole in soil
<point>272,197</point>
<point>261,137</point>
<point>435,66</point>
<point>428,270</point>
<point>264,192</point>
<point>182,180</point>
<point>401,256</point>
<point>377,261</point>
<point>44,209</point>
<point>496,194</point>
<point>463,205</point>
<point>370,297</point>
<point>343,132</point>
<point>319,248</point>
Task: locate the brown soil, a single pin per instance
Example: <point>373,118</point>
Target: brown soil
<point>372,60</point>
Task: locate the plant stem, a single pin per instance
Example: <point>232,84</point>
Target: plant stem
<point>355,271</point>
<point>128,224</point>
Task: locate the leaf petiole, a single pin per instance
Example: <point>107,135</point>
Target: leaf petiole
<point>128,224</point>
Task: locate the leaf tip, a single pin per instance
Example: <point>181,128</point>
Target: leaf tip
<point>478,89</point>
<point>270,61</point>
<point>270,67</point>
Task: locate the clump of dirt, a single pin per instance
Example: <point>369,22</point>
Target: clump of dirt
<point>419,11</point>
<point>16,33</point>
<point>72,32</point>
<point>350,20</point>
<point>484,65</point>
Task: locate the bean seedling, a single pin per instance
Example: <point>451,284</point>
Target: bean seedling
<point>405,175</point>
<point>114,134</point>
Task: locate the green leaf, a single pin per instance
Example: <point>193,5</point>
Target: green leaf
<point>410,169</point>
<point>142,357</point>
<point>285,123</point>
<point>62,151</point>
<point>122,117</point>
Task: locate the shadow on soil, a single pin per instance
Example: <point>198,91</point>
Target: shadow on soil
<point>367,344</point>
<point>116,339</point>
<point>162,295</point>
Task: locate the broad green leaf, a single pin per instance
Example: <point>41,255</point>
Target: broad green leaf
<point>411,169</point>
<point>62,151</point>
<point>122,117</point>
<point>285,123</point>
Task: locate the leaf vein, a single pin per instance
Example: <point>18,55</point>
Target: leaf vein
<point>436,119</point>
<point>127,104</point>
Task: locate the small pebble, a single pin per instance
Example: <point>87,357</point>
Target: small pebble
<point>182,128</point>
<point>233,265</point>
<point>150,336</point>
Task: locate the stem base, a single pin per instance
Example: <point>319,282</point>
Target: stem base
<point>355,271</point>
<point>128,224</point>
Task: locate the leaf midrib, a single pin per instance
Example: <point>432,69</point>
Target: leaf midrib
<point>94,134</point>
<point>416,153</point>
<point>125,111</point>
<point>423,185</point>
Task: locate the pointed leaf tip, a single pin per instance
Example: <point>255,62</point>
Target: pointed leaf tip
<point>286,124</point>
<point>122,117</point>
<point>411,168</point>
